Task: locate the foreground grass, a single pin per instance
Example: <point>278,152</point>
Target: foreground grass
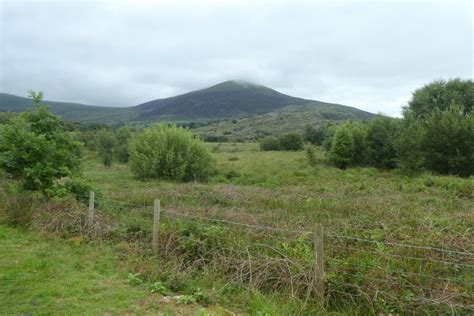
<point>41,275</point>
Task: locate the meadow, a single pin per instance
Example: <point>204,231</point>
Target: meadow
<point>394,243</point>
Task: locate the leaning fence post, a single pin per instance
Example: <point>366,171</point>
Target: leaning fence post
<point>319,263</point>
<point>91,209</point>
<point>156,225</point>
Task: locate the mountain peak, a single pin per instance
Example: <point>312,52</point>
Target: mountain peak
<point>232,85</point>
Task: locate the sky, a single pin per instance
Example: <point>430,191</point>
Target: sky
<point>368,54</point>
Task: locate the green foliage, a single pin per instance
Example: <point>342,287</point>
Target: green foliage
<point>158,287</point>
<point>314,135</point>
<point>35,150</point>
<point>106,142</point>
<point>286,142</point>
<point>79,186</point>
<point>342,151</point>
<point>448,142</point>
<point>311,156</point>
<point>408,144</point>
<point>134,279</point>
<point>122,135</point>
<point>291,142</point>
<point>168,152</point>
<point>348,145</point>
<point>270,143</point>
<point>440,95</point>
<point>382,133</point>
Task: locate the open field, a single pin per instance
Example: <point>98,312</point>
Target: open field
<point>41,275</point>
<point>393,242</point>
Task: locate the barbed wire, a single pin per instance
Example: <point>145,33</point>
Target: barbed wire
<point>299,231</point>
<point>405,273</point>
<point>404,285</point>
<point>408,257</point>
<point>402,245</point>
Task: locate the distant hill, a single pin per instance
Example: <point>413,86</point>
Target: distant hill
<point>69,111</point>
<point>230,99</point>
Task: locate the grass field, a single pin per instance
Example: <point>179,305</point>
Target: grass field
<point>277,189</point>
<point>43,275</point>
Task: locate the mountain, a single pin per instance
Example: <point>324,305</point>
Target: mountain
<point>69,111</point>
<point>230,99</point>
<point>227,99</point>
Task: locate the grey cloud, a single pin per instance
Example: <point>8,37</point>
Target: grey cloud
<point>370,55</point>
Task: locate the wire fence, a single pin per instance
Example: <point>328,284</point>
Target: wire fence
<point>381,273</point>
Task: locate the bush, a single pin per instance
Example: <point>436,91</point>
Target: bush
<point>106,142</point>
<point>270,143</point>
<point>168,152</point>
<point>343,148</point>
<point>448,142</point>
<point>311,156</point>
<point>291,141</point>
<point>35,150</point>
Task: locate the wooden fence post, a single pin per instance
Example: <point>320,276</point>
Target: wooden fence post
<point>319,263</point>
<point>91,209</point>
<point>156,225</point>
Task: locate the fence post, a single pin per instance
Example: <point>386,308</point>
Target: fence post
<point>319,263</point>
<point>91,209</point>
<point>156,225</point>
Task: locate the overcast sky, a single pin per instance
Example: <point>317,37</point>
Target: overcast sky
<point>367,54</point>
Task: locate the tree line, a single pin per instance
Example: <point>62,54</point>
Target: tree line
<point>436,133</point>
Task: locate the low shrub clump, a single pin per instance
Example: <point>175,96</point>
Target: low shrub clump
<point>169,152</point>
<point>286,142</point>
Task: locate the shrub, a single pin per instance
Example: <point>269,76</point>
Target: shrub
<point>311,156</point>
<point>106,142</point>
<point>342,148</point>
<point>270,143</point>
<point>168,152</point>
<point>35,150</point>
<point>291,141</point>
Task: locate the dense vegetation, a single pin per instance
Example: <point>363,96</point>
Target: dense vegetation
<point>436,133</point>
<point>168,152</point>
<point>35,150</point>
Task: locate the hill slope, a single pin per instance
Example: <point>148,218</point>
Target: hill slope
<point>230,99</point>
<point>69,111</point>
<point>227,99</point>
<point>284,120</point>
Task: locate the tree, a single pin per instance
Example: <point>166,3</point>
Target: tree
<point>291,142</point>
<point>381,134</point>
<point>106,143</point>
<point>343,148</point>
<point>439,95</point>
<point>448,142</point>
<point>35,150</point>
<point>409,155</point>
<point>169,152</point>
<point>121,151</point>
<point>314,135</point>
